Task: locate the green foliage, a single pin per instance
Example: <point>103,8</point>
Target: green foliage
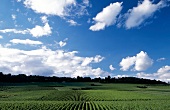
<point>81,105</point>
<point>61,96</point>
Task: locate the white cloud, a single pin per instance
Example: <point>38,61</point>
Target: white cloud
<point>112,68</point>
<point>162,74</point>
<point>62,44</point>
<point>160,59</point>
<point>165,69</point>
<point>45,61</point>
<point>143,61</point>
<point>98,26</point>
<point>39,31</point>
<point>89,60</point>
<point>127,62</point>
<point>14,31</point>
<point>140,62</point>
<point>50,7</point>
<point>44,19</point>
<point>18,0</point>
<point>98,58</point>
<point>1,37</point>
<point>107,17</point>
<point>7,45</point>
<point>72,23</point>
<point>120,76</point>
<point>26,42</point>
<point>13,16</point>
<point>144,10</point>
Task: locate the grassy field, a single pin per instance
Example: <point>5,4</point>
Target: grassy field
<point>83,96</point>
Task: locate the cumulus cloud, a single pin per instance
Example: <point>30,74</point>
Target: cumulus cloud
<point>112,68</point>
<point>60,8</point>
<point>107,17</point>
<point>127,62</point>
<point>50,7</point>
<point>26,42</point>
<point>39,31</point>
<point>140,62</point>
<point>143,61</point>
<point>162,74</point>
<point>45,61</point>
<point>144,10</point>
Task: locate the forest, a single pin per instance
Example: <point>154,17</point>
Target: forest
<point>20,78</point>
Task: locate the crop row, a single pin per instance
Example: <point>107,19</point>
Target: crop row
<point>58,105</point>
<point>82,105</point>
<point>78,95</point>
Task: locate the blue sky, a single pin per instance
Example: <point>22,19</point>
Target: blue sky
<point>86,38</point>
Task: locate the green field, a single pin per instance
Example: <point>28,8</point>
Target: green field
<point>83,96</point>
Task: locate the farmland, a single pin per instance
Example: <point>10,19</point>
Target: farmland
<point>83,96</point>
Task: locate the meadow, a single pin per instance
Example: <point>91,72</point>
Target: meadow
<point>83,96</point>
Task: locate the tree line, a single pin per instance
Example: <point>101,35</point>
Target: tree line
<point>22,78</point>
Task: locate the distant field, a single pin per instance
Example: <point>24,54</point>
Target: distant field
<point>83,96</point>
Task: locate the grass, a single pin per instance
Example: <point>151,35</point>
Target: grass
<point>62,96</point>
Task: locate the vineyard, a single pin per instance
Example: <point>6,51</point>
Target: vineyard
<point>83,96</point>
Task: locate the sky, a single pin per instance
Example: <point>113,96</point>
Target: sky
<point>88,38</point>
